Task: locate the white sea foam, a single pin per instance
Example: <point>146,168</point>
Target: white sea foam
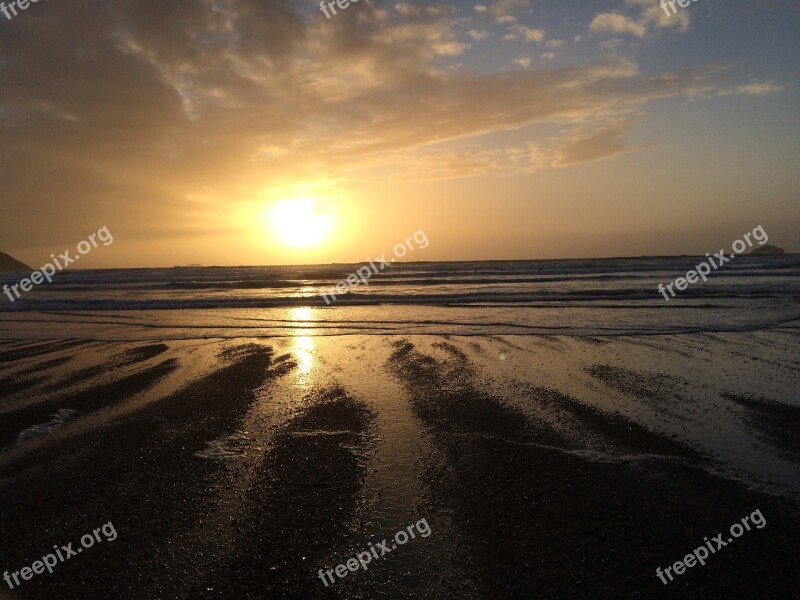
<point>232,447</point>
<point>62,415</point>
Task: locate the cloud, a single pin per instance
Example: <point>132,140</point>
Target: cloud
<point>523,61</point>
<point>580,144</point>
<point>509,7</point>
<point>478,35</point>
<point>523,33</point>
<point>407,10</point>
<point>649,17</point>
<point>759,88</point>
<point>756,88</point>
<point>475,161</point>
<point>504,11</point>
<point>618,24</point>
<point>131,112</point>
<point>596,144</point>
<point>651,14</point>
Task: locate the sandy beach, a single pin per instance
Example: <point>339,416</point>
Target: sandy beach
<point>241,467</point>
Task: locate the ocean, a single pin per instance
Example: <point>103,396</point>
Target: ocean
<point>582,297</point>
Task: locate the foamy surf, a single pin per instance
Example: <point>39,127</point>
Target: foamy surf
<point>62,415</point>
<point>233,447</point>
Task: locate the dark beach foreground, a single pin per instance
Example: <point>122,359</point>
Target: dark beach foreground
<point>543,466</point>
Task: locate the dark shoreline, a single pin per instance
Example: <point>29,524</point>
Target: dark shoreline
<point>567,499</point>
<point>533,514</point>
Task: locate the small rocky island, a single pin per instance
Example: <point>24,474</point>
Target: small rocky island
<point>768,249</point>
<point>9,264</point>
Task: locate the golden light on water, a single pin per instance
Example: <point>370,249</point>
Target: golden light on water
<point>303,345</point>
<point>304,353</point>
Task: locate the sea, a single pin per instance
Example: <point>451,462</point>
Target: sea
<point>580,297</point>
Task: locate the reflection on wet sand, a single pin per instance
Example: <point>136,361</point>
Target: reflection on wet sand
<point>302,347</point>
<point>324,444</point>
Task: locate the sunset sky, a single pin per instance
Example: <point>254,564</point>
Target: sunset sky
<point>255,132</point>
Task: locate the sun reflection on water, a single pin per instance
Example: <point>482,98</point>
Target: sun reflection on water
<point>303,345</point>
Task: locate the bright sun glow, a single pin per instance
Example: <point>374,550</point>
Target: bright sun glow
<point>301,222</point>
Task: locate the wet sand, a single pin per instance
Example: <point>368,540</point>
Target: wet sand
<point>545,466</point>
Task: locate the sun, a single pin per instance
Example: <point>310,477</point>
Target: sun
<point>300,223</point>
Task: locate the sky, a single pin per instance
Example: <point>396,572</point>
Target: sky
<point>257,132</point>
